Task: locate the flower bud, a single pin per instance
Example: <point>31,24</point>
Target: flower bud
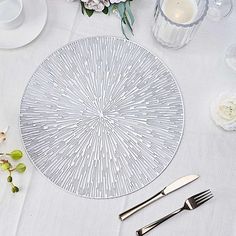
<point>16,154</point>
<point>9,179</point>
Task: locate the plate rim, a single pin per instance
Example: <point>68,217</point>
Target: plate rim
<point>44,17</point>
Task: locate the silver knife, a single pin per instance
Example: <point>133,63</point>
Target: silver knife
<point>179,183</point>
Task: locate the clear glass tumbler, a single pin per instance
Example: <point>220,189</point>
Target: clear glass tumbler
<point>219,9</point>
<point>230,57</point>
<point>173,34</point>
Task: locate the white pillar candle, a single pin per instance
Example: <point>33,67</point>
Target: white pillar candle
<point>176,21</point>
<point>180,11</point>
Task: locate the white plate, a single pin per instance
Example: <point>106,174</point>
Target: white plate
<point>102,117</point>
<point>35,12</point>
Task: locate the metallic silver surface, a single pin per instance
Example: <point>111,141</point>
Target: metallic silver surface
<point>190,204</point>
<point>101,117</point>
<point>170,188</point>
<point>179,183</point>
<point>140,206</point>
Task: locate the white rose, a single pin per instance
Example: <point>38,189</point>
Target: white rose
<point>97,5</point>
<point>223,111</point>
<point>117,1</point>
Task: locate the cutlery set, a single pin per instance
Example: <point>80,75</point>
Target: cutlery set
<point>190,204</point>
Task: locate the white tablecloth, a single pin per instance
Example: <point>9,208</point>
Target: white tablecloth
<point>43,209</point>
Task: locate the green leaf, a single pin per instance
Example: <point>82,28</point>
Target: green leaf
<point>21,168</point>
<point>128,24</point>
<point>130,14</point>
<point>121,9</point>
<point>82,7</point>
<point>89,12</point>
<point>123,30</point>
<point>105,10</point>
<point>111,8</point>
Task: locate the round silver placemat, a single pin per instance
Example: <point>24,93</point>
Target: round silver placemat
<point>101,117</point>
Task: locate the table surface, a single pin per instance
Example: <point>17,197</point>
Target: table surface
<point>41,208</point>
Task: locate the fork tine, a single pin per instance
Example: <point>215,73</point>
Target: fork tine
<point>200,198</point>
<point>204,197</point>
<point>205,200</point>
<point>200,194</point>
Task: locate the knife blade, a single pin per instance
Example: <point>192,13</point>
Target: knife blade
<point>177,184</point>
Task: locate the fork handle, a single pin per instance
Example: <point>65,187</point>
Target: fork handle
<point>141,205</point>
<point>154,224</point>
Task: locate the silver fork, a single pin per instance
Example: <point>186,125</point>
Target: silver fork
<point>190,204</point>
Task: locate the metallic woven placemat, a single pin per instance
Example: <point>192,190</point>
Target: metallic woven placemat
<point>101,117</point>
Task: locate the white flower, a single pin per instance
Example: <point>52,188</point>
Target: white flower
<point>97,5</point>
<point>223,111</point>
<point>117,1</point>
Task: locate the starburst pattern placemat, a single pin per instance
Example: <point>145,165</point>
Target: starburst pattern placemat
<point>101,117</point>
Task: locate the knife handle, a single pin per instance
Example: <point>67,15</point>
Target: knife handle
<point>140,206</point>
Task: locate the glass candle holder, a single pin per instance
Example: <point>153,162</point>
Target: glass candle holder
<point>176,21</point>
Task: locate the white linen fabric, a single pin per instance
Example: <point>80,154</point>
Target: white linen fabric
<point>42,209</point>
